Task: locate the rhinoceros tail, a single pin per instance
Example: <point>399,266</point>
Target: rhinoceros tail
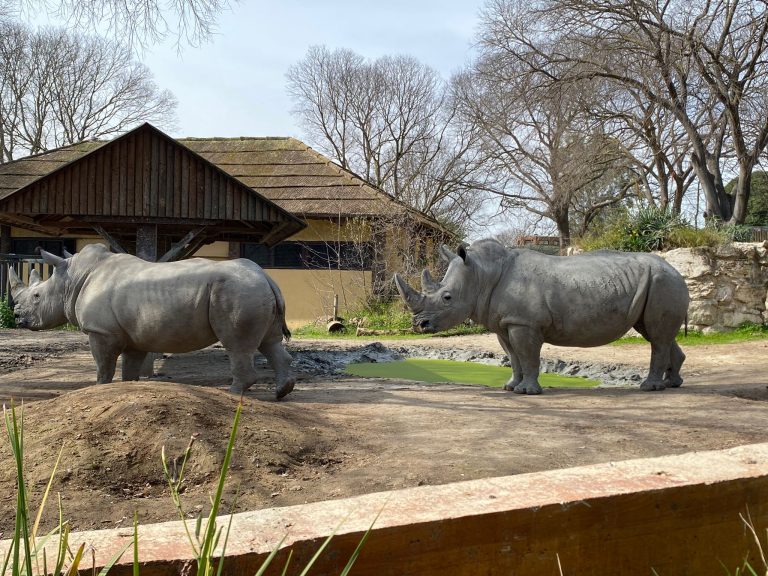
<point>686,324</point>
<point>280,304</point>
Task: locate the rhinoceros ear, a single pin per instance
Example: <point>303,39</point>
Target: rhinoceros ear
<point>462,252</point>
<point>14,283</point>
<point>427,283</point>
<point>414,300</point>
<point>52,259</point>
<point>34,277</point>
<point>446,253</point>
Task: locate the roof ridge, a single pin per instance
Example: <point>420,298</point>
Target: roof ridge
<point>225,138</point>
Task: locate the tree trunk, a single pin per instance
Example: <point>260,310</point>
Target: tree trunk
<point>563,229</point>
<point>741,194</point>
<point>717,206</point>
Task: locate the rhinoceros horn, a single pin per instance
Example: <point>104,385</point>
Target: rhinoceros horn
<point>413,299</point>
<point>14,282</point>
<point>34,277</point>
<point>66,253</point>
<point>427,283</point>
<point>52,259</point>
<point>446,253</point>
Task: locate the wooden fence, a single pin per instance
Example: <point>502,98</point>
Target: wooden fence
<point>23,266</point>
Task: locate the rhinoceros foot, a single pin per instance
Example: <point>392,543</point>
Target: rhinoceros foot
<point>673,382</point>
<point>650,385</point>
<point>285,388</point>
<point>530,388</point>
<point>511,385</point>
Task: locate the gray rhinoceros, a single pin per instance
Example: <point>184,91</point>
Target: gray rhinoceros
<point>132,307</point>
<point>527,298</point>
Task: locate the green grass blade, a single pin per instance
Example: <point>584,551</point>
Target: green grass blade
<point>358,549</point>
<point>75,566</point>
<point>210,528</point>
<point>116,558</point>
<point>319,551</point>
<point>135,544</point>
<point>287,562</point>
<point>45,494</point>
<point>268,561</point>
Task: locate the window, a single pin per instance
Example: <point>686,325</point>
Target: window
<point>311,255</point>
<point>27,246</point>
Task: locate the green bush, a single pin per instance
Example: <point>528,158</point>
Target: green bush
<point>6,315</point>
<point>379,315</point>
<point>652,229</point>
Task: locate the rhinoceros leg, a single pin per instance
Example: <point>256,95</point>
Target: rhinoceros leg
<point>660,354</point>
<point>105,350</point>
<point>526,344</point>
<point>243,374</point>
<point>672,378</point>
<point>517,371</point>
<point>133,361</point>
<point>280,360</point>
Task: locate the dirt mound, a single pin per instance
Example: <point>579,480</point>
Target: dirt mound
<point>112,436</point>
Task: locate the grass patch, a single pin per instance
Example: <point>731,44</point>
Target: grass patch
<point>320,332</point>
<point>460,372</point>
<point>744,333</point>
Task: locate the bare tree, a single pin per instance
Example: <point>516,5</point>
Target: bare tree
<point>390,122</point>
<point>57,88</point>
<point>542,150</point>
<point>703,61</point>
<point>134,22</point>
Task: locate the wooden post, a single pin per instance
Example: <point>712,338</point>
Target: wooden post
<point>5,239</point>
<point>146,242</point>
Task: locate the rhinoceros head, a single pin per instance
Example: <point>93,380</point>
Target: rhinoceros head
<point>441,305</point>
<point>41,304</point>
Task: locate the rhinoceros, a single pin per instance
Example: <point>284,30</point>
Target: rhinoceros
<point>132,307</point>
<point>528,298</point>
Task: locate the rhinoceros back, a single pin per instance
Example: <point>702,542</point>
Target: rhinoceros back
<point>177,306</point>
<point>587,300</point>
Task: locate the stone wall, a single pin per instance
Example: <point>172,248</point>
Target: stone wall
<point>728,284</point>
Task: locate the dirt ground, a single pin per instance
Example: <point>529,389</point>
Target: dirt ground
<point>337,436</point>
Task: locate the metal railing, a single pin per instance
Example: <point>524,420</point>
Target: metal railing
<point>23,265</point>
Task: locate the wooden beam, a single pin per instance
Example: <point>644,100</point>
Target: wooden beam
<point>5,239</point>
<point>180,247</point>
<point>113,243</point>
<point>268,238</point>
<point>26,223</point>
<point>194,247</point>
<point>146,242</point>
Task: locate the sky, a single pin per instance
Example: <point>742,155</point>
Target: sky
<point>235,84</point>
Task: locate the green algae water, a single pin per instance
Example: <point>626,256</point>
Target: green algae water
<point>424,370</point>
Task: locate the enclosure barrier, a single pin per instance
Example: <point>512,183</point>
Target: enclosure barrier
<point>23,266</point>
<point>677,515</point>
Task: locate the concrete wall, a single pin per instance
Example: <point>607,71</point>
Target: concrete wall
<point>728,284</point>
<point>677,515</point>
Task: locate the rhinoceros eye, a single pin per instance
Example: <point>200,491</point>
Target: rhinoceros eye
<point>37,296</point>
<point>446,297</point>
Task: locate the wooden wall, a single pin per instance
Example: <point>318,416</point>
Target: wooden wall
<point>143,174</point>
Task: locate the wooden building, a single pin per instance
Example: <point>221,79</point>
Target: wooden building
<point>319,230</point>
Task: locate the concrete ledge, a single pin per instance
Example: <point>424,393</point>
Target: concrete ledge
<point>678,515</point>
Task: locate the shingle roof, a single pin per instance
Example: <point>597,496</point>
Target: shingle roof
<point>294,176</point>
<point>284,170</point>
<point>19,173</point>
